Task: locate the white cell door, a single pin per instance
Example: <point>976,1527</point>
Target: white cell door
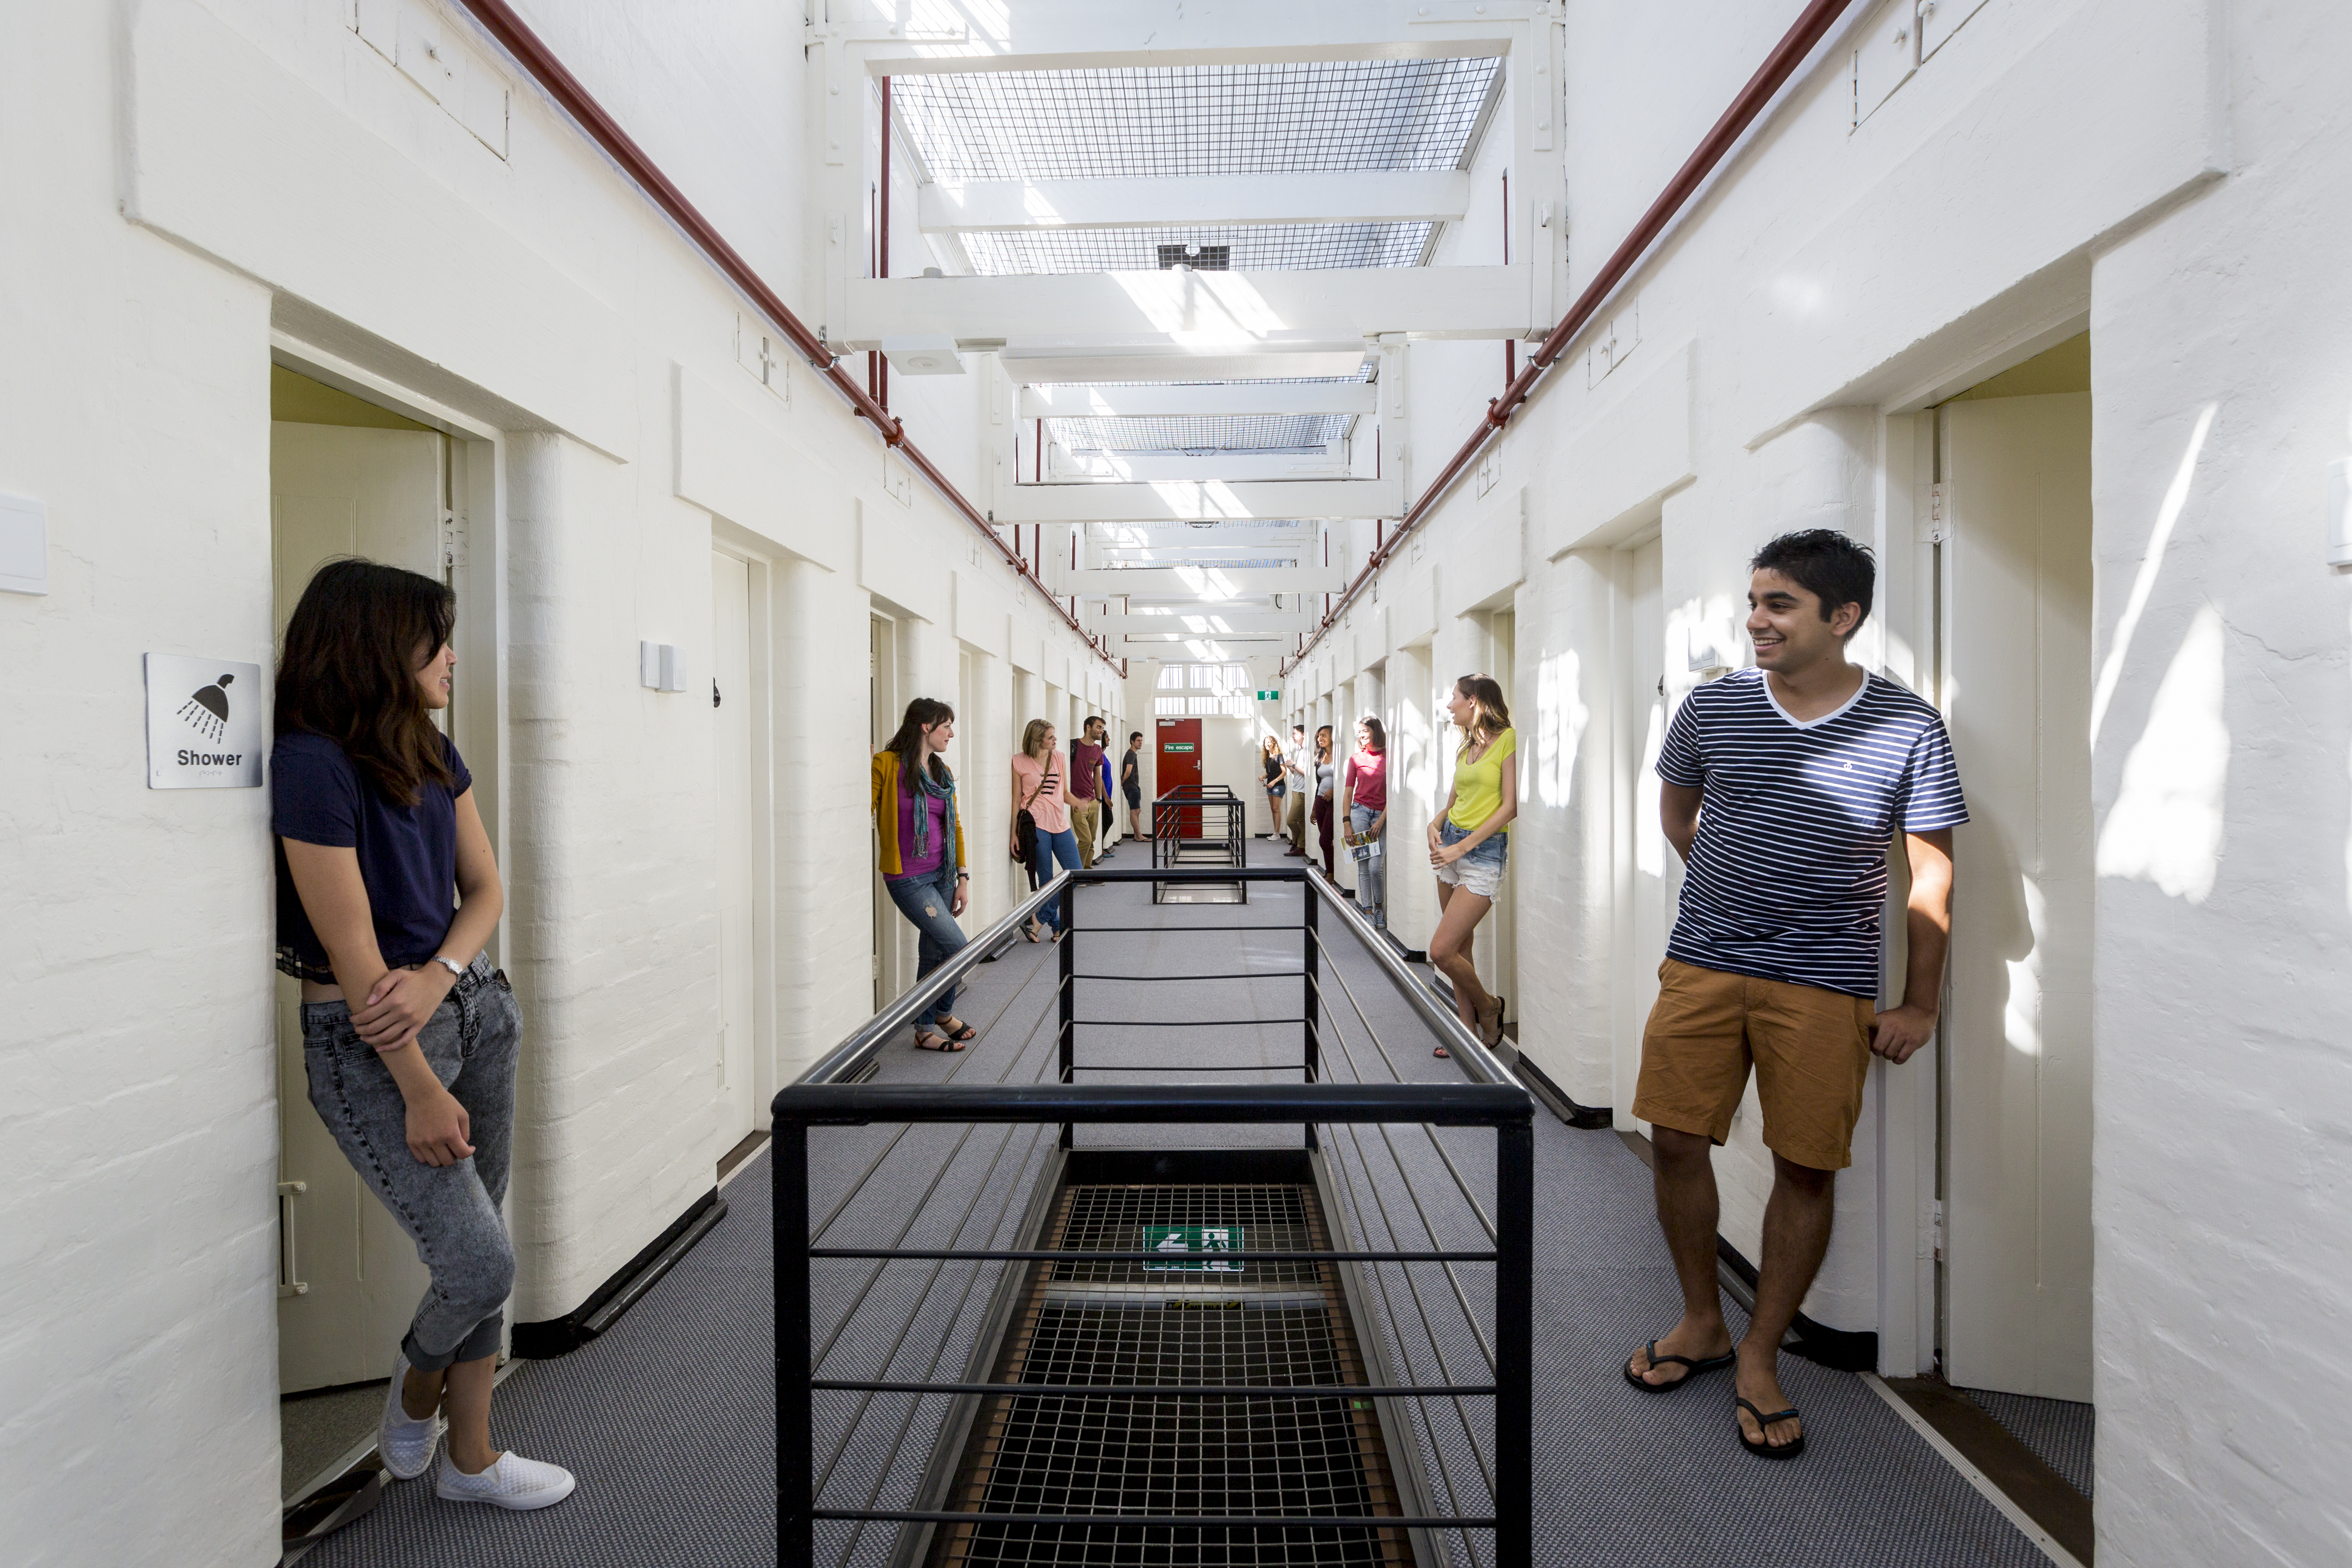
<point>2017,1031</point>
<point>730,694</point>
<point>1644,859</point>
<point>349,1280</point>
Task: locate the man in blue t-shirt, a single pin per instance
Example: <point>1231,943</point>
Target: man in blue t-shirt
<point>1806,767</point>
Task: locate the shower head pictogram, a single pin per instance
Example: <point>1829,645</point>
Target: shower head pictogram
<point>206,709</point>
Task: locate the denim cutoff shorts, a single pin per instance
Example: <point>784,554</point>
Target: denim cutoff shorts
<point>1480,871</point>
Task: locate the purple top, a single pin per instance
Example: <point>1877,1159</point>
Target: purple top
<point>910,862</point>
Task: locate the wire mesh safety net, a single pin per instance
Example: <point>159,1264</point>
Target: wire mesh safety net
<point>1295,118</point>
<point>1209,432</point>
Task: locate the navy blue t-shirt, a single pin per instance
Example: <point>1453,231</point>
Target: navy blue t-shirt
<point>407,854</point>
<point>1787,878</point>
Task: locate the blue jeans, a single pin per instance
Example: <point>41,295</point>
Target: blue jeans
<point>1050,847</point>
<point>472,1042</point>
<point>1372,872</point>
<point>928,901</point>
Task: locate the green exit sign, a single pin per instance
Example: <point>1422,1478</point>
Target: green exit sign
<point>1177,746</point>
<point>1275,696</point>
<point>1193,1249</point>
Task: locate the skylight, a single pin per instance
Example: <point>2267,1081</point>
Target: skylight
<point>1302,118</point>
<point>1221,432</point>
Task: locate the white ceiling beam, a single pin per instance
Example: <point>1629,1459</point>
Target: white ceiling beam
<point>1066,35</point>
<point>1210,583</point>
<point>1174,502</point>
<point>1238,398</point>
<point>1437,195</point>
<point>1165,360</point>
<point>1208,312</point>
<point>1204,622</point>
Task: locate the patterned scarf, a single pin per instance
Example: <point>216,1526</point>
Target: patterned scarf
<point>927,789</point>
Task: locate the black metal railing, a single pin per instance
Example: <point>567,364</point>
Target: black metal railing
<point>1408,1368</point>
<point>1200,825</point>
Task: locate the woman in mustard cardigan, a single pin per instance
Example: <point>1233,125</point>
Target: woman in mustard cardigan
<point>922,851</point>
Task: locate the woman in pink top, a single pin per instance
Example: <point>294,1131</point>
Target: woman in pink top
<point>1364,806</point>
<point>1040,787</point>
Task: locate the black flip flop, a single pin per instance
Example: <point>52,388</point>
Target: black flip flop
<point>1710,1364</point>
<point>946,1042</point>
<point>1765,1451</point>
<point>966,1032</point>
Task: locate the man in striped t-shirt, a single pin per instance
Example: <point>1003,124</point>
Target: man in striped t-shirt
<point>1784,785</point>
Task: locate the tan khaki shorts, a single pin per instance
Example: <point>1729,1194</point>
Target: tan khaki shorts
<point>1811,1049</point>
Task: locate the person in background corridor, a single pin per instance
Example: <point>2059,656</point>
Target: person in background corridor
<point>1469,843</point>
<point>1324,782</point>
<point>1040,787</point>
<point>1270,758</point>
<point>1086,788</point>
<point>1364,805</point>
<point>1298,778</point>
<point>1783,786</point>
<point>922,862</point>
<point>388,892</point>
<point>1130,784</point>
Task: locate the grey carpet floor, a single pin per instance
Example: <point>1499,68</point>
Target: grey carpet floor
<point>668,1418</point>
<point>2059,1431</point>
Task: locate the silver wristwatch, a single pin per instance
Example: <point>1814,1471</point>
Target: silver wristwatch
<point>451,965</point>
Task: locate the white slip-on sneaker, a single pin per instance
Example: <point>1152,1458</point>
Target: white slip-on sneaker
<point>512,1482</point>
<point>405,1446</point>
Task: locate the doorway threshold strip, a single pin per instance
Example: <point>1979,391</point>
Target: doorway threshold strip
<point>2030,1527</point>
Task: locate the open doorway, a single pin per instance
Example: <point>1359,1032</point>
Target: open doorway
<point>2014,679</point>
<point>735,837</point>
<point>347,477</point>
<point>882,693</point>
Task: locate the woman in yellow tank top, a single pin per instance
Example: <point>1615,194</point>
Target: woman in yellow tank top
<point>1469,843</point>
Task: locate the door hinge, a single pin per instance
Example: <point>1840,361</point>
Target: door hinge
<point>453,541</point>
<point>289,1261</point>
<point>1936,1227</point>
<point>1936,530</point>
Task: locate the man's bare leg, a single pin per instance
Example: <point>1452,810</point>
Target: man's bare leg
<point>1683,1176</point>
<point>1796,1236</point>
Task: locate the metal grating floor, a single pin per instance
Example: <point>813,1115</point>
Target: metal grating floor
<point>1129,1323</point>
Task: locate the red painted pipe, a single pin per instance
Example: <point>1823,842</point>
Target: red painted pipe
<point>499,19</point>
<point>1778,68</point>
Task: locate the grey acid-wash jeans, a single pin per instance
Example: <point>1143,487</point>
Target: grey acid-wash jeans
<point>451,1212</point>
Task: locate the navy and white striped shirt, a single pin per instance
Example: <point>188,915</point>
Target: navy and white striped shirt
<point>1787,879</point>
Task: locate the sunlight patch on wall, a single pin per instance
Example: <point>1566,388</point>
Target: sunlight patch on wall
<point>2165,826</point>
<point>2151,563</point>
<point>1560,718</point>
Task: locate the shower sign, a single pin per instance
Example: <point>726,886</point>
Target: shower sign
<point>207,723</point>
<point>1193,1249</point>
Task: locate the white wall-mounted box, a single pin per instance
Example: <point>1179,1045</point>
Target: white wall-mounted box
<point>23,545</point>
<point>661,667</point>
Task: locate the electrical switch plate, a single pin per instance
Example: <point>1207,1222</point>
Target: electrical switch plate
<point>23,545</point>
<point>1885,56</point>
<point>1940,19</point>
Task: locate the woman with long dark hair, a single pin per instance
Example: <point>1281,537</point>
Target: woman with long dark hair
<point>388,892</point>
<point>1324,782</point>
<point>922,851</point>
<point>1468,844</point>
<point>1270,761</point>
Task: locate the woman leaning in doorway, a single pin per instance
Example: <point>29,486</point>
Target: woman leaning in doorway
<point>922,851</point>
<point>1468,843</point>
<point>1040,787</point>
<point>1325,781</point>
<point>1364,798</point>
<point>1270,759</point>
<point>409,1036</point>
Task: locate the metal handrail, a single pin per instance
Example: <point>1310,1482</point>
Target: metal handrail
<point>1493,1098</point>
